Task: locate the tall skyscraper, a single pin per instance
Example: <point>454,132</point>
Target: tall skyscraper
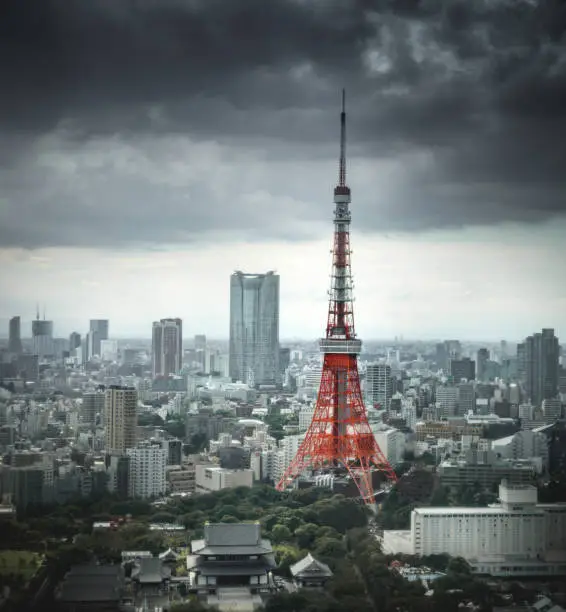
<point>97,331</point>
<point>379,386</point>
<point>542,354</point>
<point>462,369</point>
<point>481,362</point>
<point>167,347</point>
<point>15,336</point>
<point>42,336</point>
<point>121,419</point>
<point>254,328</point>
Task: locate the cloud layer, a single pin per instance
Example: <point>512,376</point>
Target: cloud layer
<point>150,121</point>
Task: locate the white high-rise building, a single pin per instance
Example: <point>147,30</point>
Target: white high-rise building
<point>120,419</point>
<point>288,447</point>
<point>391,442</point>
<point>148,466</point>
<point>167,347</point>
<point>305,417</point>
<point>379,386</point>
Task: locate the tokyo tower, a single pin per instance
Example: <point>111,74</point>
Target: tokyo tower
<point>339,439</point>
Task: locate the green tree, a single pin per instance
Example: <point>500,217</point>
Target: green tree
<point>280,534</point>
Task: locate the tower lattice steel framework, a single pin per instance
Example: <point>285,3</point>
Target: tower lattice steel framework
<point>339,438</point>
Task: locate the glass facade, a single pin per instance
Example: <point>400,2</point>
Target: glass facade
<point>254,328</point>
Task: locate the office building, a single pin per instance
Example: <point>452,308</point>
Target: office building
<point>98,331</point>
<point>42,337</point>
<point>15,335</point>
<point>542,354</point>
<point>379,386</point>
<point>484,468</point>
<point>254,328</point>
<point>74,341</point>
<point>121,419</point>
<point>466,398</point>
<point>209,478</point>
<point>447,400</point>
<point>462,369</point>
<point>481,361</point>
<point>167,347</point>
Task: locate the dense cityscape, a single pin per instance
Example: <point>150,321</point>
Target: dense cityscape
<point>165,166</point>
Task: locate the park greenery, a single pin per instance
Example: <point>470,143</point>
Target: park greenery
<point>331,527</point>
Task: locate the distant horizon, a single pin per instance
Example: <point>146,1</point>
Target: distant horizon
<point>400,340</point>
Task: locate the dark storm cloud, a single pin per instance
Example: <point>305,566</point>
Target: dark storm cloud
<point>478,84</point>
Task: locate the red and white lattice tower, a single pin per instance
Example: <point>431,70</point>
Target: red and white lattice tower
<point>340,439</point>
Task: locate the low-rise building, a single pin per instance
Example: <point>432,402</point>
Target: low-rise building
<point>310,573</point>
<point>215,478</point>
<point>516,537</point>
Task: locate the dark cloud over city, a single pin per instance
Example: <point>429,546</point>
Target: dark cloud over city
<point>129,121</point>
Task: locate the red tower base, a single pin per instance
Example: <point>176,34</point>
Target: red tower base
<point>340,438</point>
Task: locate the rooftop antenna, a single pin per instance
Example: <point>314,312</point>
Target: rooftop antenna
<point>37,311</point>
<point>44,312</point>
<point>342,170</point>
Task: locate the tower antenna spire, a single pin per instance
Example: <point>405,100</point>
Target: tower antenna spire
<point>339,441</point>
<point>342,169</point>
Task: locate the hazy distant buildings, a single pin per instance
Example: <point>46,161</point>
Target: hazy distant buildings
<point>74,341</point>
<point>98,331</point>
<point>254,328</point>
<point>462,369</point>
<point>120,419</point>
<point>15,336</point>
<point>481,364</point>
<point>42,337</point>
<point>109,350</point>
<point>379,386</point>
<point>542,354</point>
<point>93,404</point>
<point>167,347</point>
<point>200,342</point>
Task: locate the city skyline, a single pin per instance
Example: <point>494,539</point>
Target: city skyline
<point>174,167</point>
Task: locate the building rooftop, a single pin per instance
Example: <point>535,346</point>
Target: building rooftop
<point>232,534</point>
<point>495,509</point>
<point>310,567</point>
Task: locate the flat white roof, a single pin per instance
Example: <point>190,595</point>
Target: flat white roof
<point>472,510</point>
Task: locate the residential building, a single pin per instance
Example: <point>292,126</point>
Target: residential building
<point>93,404</point>
<point>120,418</point>
<point>391,442</point>
<point>379,386</point>
<point>167,347</point>
<point>148,465</point>
<point>254,328</point>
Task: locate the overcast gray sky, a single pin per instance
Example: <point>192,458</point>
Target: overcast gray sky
<point>150,147</point>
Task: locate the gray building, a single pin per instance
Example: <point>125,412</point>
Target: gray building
<point>542,353</point>
<point>167,347</point>
<point>15,335</point>
<point>254,328</point>
<point>42,336</point>
<point>97,331</point>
